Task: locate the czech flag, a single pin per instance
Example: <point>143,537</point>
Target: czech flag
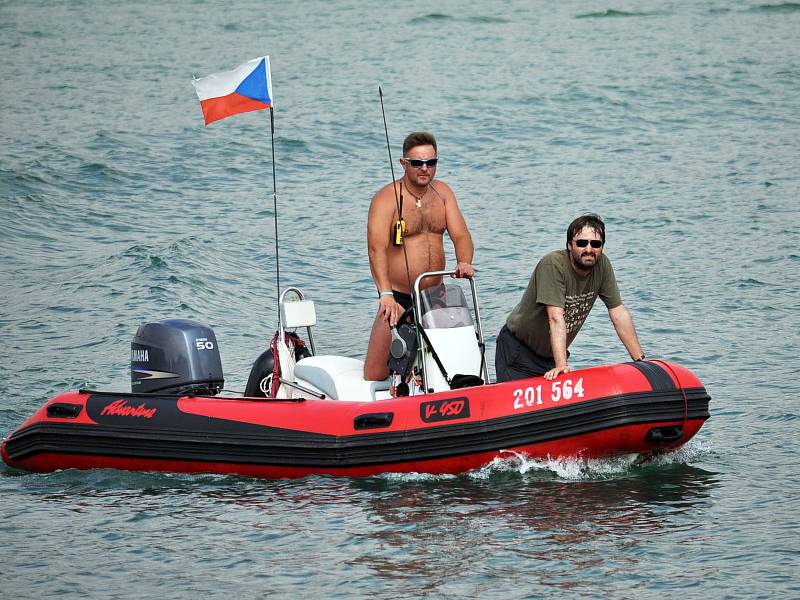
<point>248,87</point>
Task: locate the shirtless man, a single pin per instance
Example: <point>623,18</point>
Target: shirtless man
<point>429,208</point>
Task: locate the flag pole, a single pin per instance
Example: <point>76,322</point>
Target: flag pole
<point>275,210</point>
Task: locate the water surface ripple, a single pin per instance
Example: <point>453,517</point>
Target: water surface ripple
<point>676,121</point>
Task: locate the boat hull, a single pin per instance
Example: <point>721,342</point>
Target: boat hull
<point>640,408</point>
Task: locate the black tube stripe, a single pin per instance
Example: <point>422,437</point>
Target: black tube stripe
<point>657,375</point>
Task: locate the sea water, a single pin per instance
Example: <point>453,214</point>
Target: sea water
<point>678,122</point>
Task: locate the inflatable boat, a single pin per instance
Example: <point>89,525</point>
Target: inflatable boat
<point>304,413</point>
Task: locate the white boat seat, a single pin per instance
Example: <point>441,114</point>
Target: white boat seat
<point>339,377</point>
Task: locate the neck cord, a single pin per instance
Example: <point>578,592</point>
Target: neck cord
<point>417,198</point>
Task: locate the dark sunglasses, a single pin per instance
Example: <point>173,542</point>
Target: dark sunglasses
<point>416,163</point>
<point>584,243</point>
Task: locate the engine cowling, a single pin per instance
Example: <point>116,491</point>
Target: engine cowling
<point>176,356</point>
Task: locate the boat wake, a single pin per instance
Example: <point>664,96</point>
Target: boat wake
<point>582,469</point>
<point>570,469</point>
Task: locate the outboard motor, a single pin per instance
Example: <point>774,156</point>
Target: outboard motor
<point>176,356</point>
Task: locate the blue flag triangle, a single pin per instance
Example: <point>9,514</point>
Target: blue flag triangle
<point>255,85</point>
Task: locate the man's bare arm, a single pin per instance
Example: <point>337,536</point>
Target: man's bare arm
<point>459,233</point>
<point>378,239</point>
<point>379,225</point>
<point>623,324</point>
<point>558,341</point>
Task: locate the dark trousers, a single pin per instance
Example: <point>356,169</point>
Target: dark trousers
<point>514,360</point>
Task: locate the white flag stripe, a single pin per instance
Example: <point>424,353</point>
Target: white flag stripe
<point>224,83</point>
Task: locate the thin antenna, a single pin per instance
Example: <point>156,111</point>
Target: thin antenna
<point>397,201</point>
<point>275,210</point>
<point>389,148</point>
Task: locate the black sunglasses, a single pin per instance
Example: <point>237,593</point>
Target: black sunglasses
<point>584,243</point>
<point>416,163</point>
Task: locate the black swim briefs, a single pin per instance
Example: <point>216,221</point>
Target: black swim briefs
<point>402,299</point>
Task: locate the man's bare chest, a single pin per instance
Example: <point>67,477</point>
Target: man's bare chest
<point>429,218</point>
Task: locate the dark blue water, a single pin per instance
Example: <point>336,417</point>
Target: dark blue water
<point>678,122</point>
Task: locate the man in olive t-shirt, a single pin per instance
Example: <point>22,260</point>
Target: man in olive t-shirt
<point>560,294</point>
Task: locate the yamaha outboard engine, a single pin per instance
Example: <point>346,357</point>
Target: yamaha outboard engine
<point>176,356</point>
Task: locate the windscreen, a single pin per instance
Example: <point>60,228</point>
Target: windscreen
<point>444,306</point>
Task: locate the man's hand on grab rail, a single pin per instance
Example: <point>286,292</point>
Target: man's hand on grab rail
<point>464,269</point>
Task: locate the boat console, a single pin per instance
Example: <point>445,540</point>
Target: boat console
<point>450,343</point>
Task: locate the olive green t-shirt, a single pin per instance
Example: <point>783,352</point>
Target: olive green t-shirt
<point>554,282</point>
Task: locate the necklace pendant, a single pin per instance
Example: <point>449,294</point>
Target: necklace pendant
<point>418,202</point>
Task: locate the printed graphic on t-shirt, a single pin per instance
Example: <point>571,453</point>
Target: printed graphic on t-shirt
<point>576,309</point>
